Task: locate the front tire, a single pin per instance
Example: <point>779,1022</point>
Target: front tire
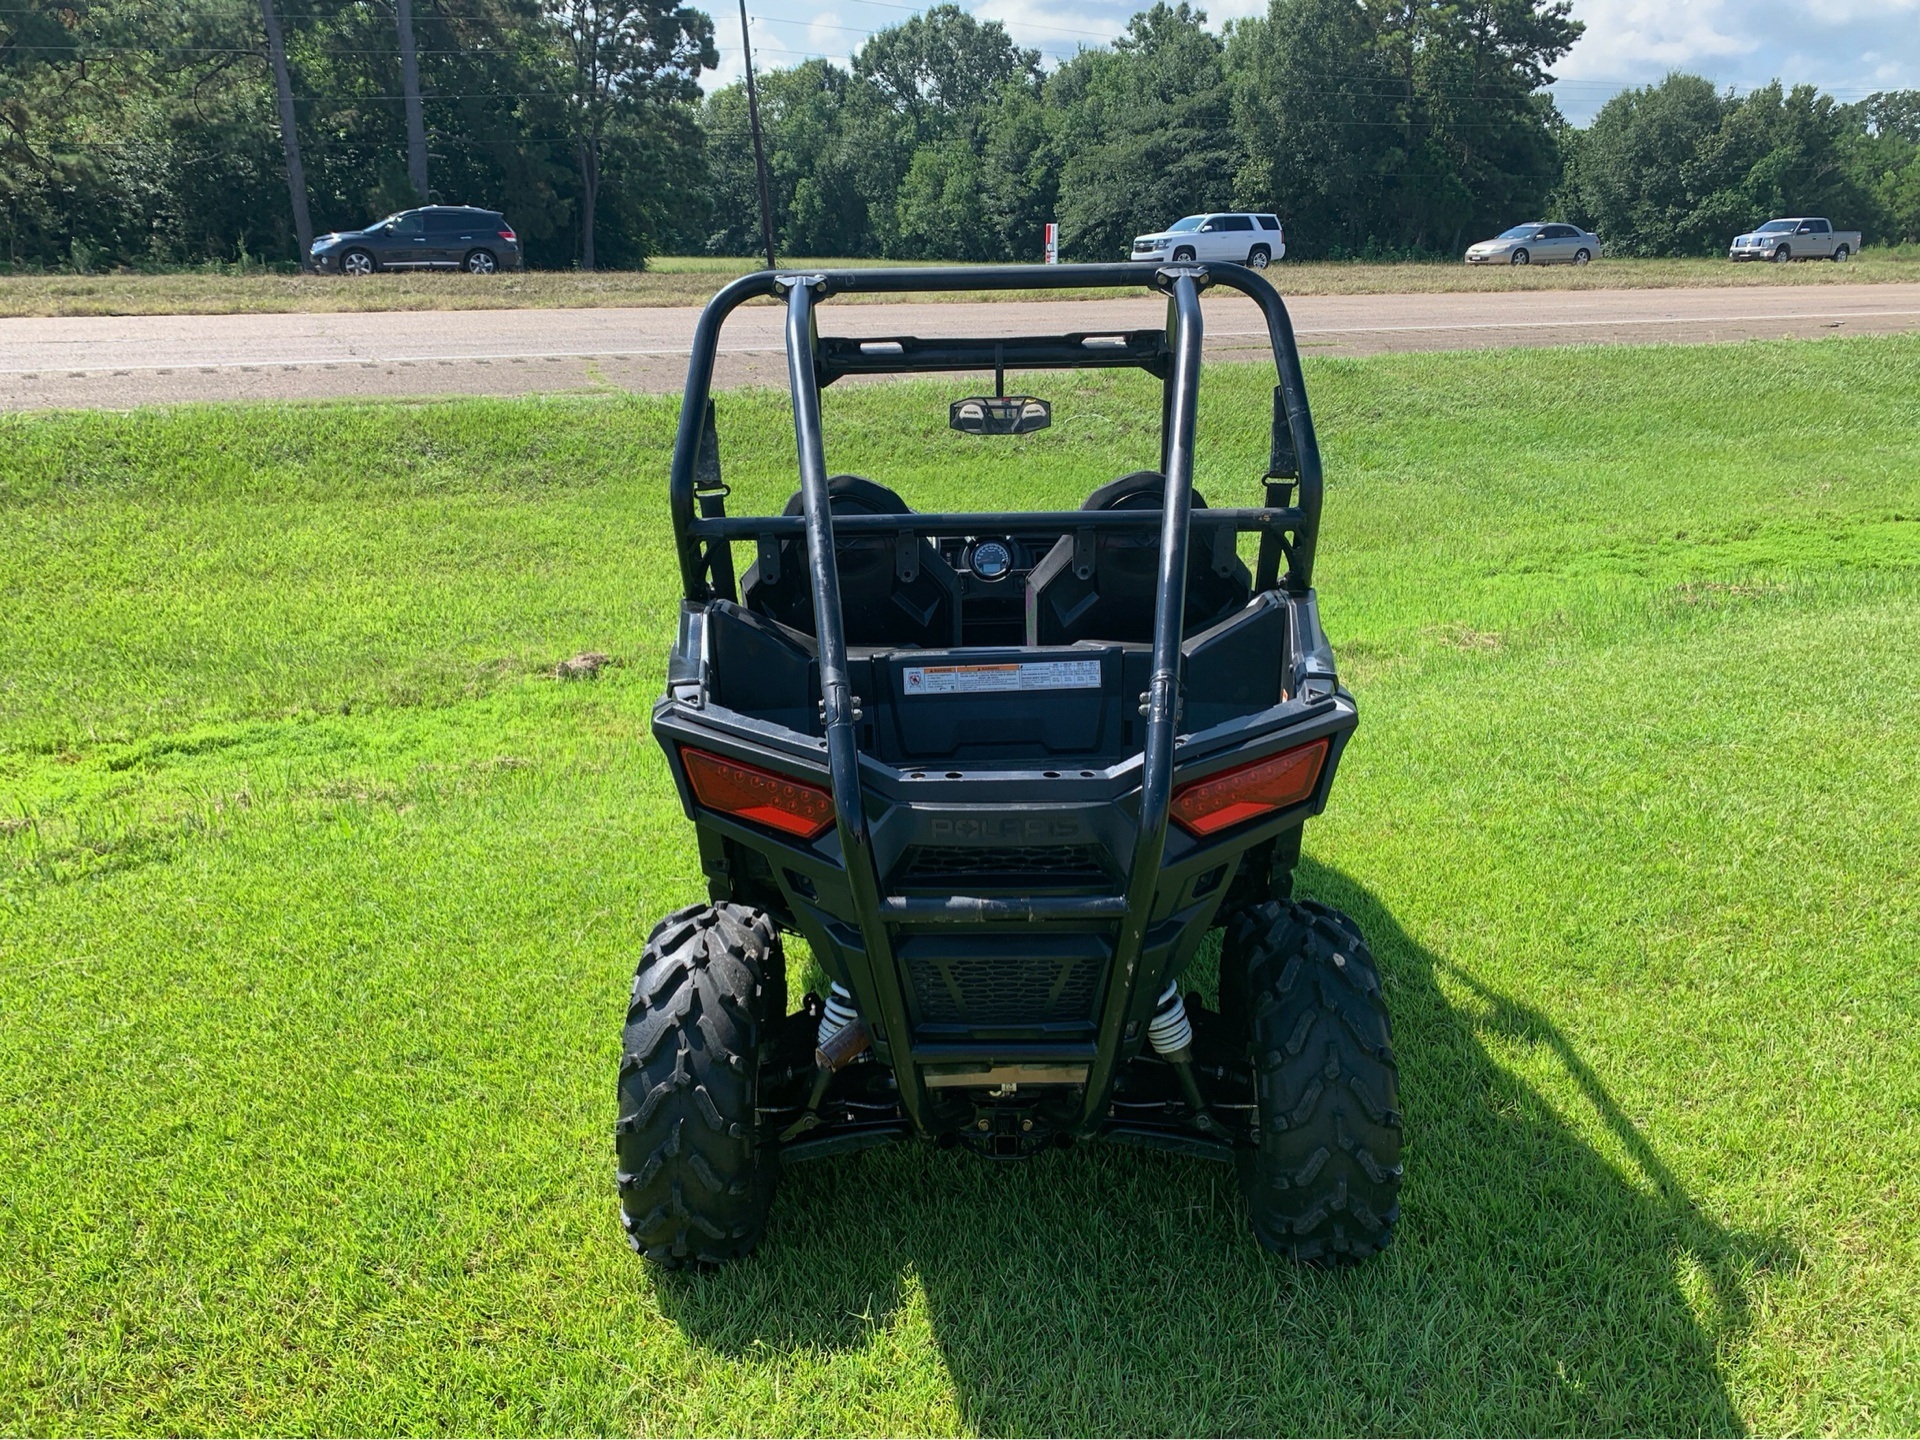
<point>695,1180</point>
<point>357,262</point>
<point>1782,255</point>
<point>1322,1185</point>
<point>480,262</point>
<point>1521,257</point>
<point>1183,255</point>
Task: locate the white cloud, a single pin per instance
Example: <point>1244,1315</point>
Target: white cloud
<point>1634,37</point>
<point>1055,31</point>
<point>1848,47</point>
<point>780,39</point>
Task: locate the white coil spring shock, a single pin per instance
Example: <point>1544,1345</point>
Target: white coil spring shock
<point>838,1014</point>
<point>1169,1030</point>
<point>1172,1035</point>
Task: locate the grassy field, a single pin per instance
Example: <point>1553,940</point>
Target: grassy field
<point>319,896</point>
<point>690,280</point>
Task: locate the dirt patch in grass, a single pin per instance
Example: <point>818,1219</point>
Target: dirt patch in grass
<point>584,666</point>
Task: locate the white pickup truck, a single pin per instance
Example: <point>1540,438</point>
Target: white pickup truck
<point>1808,238</point>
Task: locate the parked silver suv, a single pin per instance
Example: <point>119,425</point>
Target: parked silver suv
<point>1241,238</point>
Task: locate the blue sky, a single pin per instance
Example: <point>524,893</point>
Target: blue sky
<point>1847,47</point>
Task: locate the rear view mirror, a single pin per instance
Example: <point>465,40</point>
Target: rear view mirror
<point>1000,415</point>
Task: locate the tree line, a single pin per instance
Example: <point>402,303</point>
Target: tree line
<point>148,132</point>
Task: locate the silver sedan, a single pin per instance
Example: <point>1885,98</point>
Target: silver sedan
<point>1537,243</point>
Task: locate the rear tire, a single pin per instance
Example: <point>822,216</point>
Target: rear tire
<point>480,262</point>
<point>1259,258</point>
<point>1322,1185</point>
<point>695,1180</point>
<point>1582,256</point>
<point>1840,254</point>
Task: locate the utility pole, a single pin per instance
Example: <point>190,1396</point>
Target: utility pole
<point>289,134</point>
<point>410,88</point>
<point>759,148</point>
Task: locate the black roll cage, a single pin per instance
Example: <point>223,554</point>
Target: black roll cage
<point>703,531</point>
<point>1287,526</point>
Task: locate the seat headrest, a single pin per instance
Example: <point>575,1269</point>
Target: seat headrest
<point>854,495</point>
<point>1142,490</point>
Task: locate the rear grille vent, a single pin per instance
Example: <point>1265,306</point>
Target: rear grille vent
<point>988,991</point>
<point>962,869</point>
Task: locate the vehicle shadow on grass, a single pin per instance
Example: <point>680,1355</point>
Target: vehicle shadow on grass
<point>1536,1285</point>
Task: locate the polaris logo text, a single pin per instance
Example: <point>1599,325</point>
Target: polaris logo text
<point>1002,828</point>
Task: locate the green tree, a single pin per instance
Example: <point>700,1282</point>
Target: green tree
<point>629,64</point>
<point>1636,179</point>
<point>1779,154</point>
<point>814,166</point>
<point>1147,131</point>
<point>1886,159</point>
<point>137,131</point>
<point>1476,121</point>
<point>938,212</point>
<point>920,92</point>
<point>1397,125</point>
<point>941,68</point>
<point>1019,174</point>
<point>1677,169</point>
<point>1313,111</point>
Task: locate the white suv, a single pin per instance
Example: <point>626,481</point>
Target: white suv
<point>1243,239</point>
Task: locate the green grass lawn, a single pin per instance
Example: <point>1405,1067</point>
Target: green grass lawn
<point>319,897</point>
<point>690,280</point>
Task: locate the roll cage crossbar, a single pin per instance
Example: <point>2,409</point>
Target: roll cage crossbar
<point>704,533</point>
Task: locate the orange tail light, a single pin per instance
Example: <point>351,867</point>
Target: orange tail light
<point>1233,797</point>
<point>750,793</point>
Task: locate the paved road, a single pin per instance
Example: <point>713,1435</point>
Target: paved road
<point>148,359</point>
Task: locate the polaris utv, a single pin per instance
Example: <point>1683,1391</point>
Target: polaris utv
<point>1004,773</point>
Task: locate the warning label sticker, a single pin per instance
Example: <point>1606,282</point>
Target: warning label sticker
<point>985,679</point>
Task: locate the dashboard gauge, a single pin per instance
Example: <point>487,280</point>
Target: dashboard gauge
<point>991,559</point>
